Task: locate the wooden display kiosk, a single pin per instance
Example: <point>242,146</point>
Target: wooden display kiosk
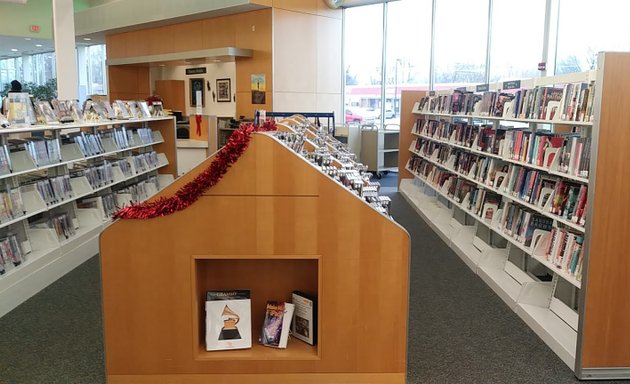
<point>274,224</point>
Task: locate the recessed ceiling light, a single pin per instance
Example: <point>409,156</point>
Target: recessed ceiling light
<point>38,45</point>
<point>87,39</point>
<point>13,50</point>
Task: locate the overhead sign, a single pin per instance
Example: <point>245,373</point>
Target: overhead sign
<point>195,71</point>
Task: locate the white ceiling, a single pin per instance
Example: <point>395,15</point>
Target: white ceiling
<point>28,46</point>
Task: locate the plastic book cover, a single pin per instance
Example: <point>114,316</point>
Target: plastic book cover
<point>46,110</point>
<point>277,323</point>
<point>272,326</point>
<point>120,110</point>
<point>107,107</point>
<point>144,109</point>
<point>228,320</point>
<point>17,108</point>
<point>304,326</point>
<point>63,112</point>
<point>537,222</point>
<point>75,110</point>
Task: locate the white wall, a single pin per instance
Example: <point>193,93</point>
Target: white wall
<point>307,61</point>
<point>226,70</point>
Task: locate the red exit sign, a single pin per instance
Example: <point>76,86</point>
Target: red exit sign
<point>34,28</point>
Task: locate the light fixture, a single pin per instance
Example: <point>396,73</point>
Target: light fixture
<point>334,3</point>
<point>27,38</point>
<point>14,50</point>
<point>87,39</point>
<point>38,45</point>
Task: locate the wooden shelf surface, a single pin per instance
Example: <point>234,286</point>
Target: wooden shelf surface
<point>296,350</point>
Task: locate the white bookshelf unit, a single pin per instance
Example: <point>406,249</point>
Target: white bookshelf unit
<point>118,173</point>
<point>513,194</point>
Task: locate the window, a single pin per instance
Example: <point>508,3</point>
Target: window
<point>43,68</point>
<point>363,58</point>
<point>92,70</point>
<point>516,47</point>
<point>408,52</point>
<point>10,69</point>
<point>461,30</point>
<point>580,39</point>
<point>97,70</point>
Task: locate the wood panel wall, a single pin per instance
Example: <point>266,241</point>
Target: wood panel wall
<point>606,321</point>
<point>173,94</point>
<point>407,120</point>
<point>128,82</point>
<point>250,30</point>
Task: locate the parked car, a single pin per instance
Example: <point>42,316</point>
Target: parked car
<point>353,117</point>
<point>389,113</point>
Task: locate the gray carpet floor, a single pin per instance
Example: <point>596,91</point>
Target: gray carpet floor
<point>459,330</point>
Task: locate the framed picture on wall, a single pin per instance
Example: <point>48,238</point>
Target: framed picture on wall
<point>197,84</point>
<point>224,91</point>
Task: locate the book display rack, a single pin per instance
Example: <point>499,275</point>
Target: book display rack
<point>278,222</point>
<point>60,184</point>
<point>521,179</point>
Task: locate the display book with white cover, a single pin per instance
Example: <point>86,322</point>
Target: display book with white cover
<point>304,326</point>
<point>277,324</point>
<point>228,320</point>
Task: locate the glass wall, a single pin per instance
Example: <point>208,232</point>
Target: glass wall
<point>463,53</point>
<point>363,58</point>
<point>580,40</point>
<point>515,52</point>
<point>40,70</point>
<point>460,42</point>
<point>10,69</point>
<point>408,47</point>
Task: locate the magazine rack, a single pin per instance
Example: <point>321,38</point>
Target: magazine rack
<point>273,224</point>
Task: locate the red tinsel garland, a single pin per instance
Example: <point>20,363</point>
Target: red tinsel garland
<point>189,193</point>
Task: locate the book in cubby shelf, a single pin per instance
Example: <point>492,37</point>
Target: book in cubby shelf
<point>228,320</point>
<point>277,324</point>
<point>304,326</point>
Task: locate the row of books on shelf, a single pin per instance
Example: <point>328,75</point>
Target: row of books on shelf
<point>63,220</point>
<point>529,228</point>
<point>57,189</point>
<point>92,144</point>
<point>228,320</point>
<point>548,193</point>
<point>352,175</point>
<point>571,102</point>
<point>101,175</point>
<point>566,153</point>
<point>47,151</point>
<point>54,190</point>
<point>139,191</point>
<point>11,205</point>
<point>21,110</point>
<point>10,252</point>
